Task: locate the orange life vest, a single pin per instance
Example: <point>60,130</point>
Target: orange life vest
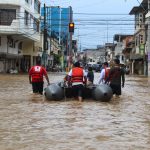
<point>77,74</point>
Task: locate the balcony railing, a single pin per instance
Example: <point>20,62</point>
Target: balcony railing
<point>7,16</point>
<point>10,2</point>
<point>18,28</point>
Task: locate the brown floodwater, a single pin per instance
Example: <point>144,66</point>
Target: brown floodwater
<point>30,122</point>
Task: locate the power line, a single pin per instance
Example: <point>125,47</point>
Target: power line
<point>84,13</point>
<point>141,5</point>
<point>110,14</point>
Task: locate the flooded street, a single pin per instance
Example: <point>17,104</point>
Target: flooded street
<point>29,122</point>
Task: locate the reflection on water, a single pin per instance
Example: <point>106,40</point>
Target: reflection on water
<point>30,122</point>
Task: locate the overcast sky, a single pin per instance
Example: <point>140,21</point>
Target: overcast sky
<point>96,21</point>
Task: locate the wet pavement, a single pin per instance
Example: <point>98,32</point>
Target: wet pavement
<point>30,122</point>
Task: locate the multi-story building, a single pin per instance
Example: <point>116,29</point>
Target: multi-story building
<point>129,45</point>
<point>95,56</point>
<point>139,53</point>
<point>109,51</point>
<point>55,49</point>
<point>119,46</point>
<point>19,32</point>
<point>57,21</point>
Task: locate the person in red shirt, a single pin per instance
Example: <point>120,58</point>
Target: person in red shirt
<point>36,74</point>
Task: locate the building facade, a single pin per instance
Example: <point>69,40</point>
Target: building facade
<point>119,46</point>
<point>95,56</point>
<point>139,53</point>
<point>19,32</point>
<point>109,51</point>
<point>128,51</point>
<point>57,21</point>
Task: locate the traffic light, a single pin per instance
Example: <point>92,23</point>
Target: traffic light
<point>71,27</point>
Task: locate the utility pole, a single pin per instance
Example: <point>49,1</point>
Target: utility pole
<point>45,44</point>
<point>70,41</point>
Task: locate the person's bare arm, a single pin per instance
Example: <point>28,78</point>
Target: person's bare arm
<point>47,78</point>
<point>30,79</point>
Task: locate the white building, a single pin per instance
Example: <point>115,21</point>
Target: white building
<point>19,33</point>
<point>109,51</point>
<point>54,49</point>
<point>95,56</point>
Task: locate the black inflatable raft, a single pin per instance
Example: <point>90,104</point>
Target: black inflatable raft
<point>58,91</point>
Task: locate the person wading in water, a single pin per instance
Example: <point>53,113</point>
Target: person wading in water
<point>116,78</point>
<point>77,77</point>
<point>36,74</point>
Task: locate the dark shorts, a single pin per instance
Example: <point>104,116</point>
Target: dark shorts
<point>77,90</point>
<point>37,87</point>
<point>116,88</point>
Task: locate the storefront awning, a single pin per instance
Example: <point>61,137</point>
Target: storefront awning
<point>10,56</point>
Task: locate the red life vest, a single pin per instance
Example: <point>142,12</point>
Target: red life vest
<point>77,74</point>
<point>37,73</point>
<point>106,73</point>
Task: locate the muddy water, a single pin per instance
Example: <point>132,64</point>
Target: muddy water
<point>29,122</point>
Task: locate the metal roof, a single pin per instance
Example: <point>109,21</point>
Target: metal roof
<point>142,7</point>
<point>120,36</point>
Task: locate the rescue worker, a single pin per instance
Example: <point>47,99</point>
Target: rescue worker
<point>116,78</point>
<point>104,73</point>
<point>36,74</point>
<point>77,77</point>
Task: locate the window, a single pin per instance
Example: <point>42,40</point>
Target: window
<point>36,25</point>
<point>7,16</point>
<point>11,42</point>
<point>29,1</point>
<point>20,46</point>
<point>141,39</point>
<point>30,19</point>
<point>136,20</point>
<point>140,20</point>
<point>26,17</point>
<point>37,5</point>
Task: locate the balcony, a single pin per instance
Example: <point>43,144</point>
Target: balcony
<point>148,14</point>
<point>10,2</point>
<point>20,31</point>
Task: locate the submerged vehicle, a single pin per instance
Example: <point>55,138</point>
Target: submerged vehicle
<point>59,91</point>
